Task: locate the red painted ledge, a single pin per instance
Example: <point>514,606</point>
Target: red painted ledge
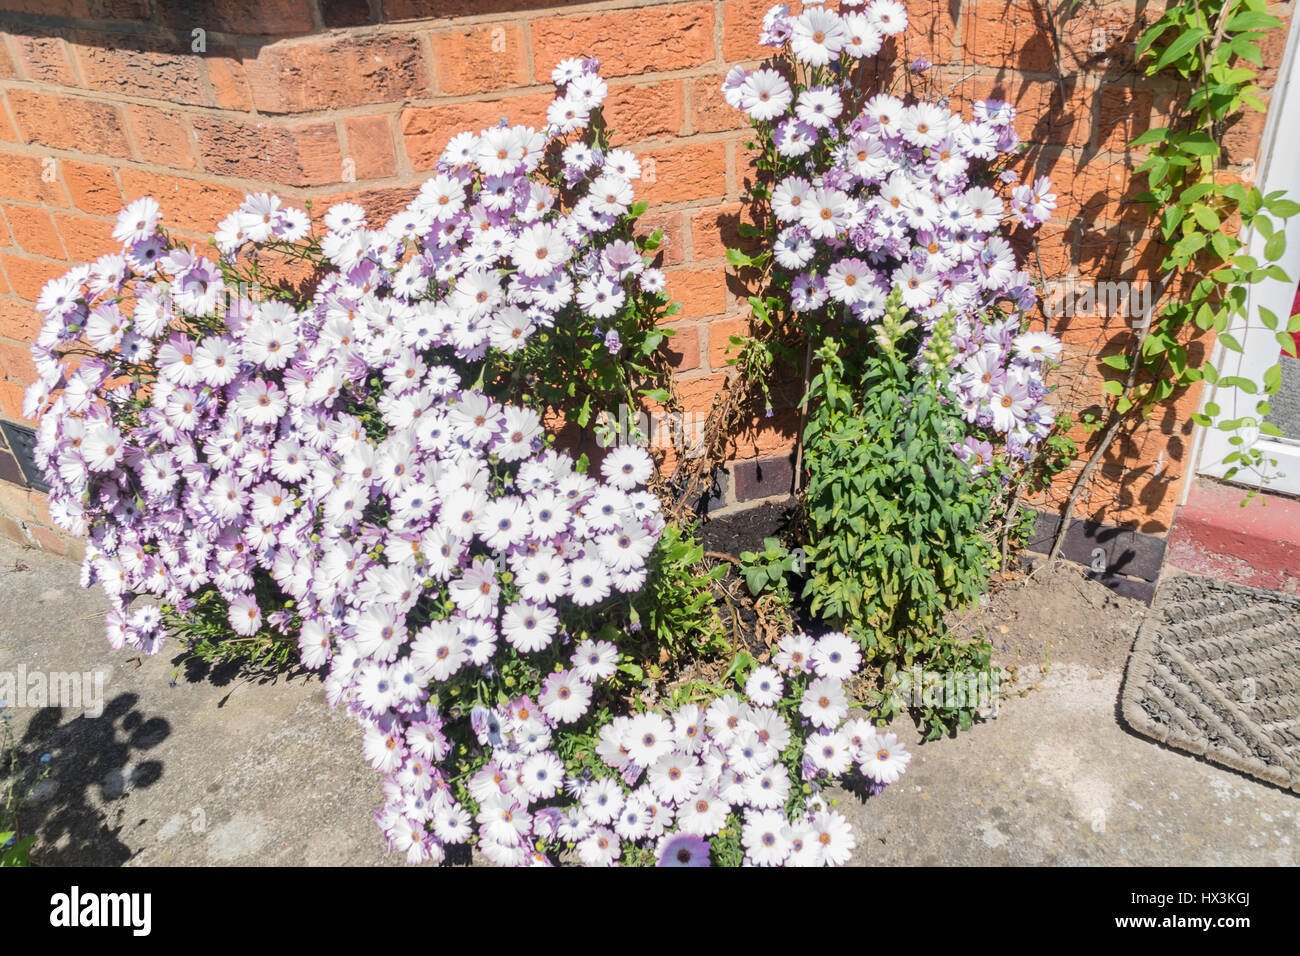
<point>1258,545</point>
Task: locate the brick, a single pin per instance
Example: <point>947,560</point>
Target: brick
<point>701,292</point>
<point>697,394</point>
<point>710,113</point>
<point>16,502</point>
<point>67,122</point>
<point>1040,118</point>
<point>763,478</point>
<point>637,113</point>
<point>395,10</point>
<point>119,64</point>
<point>93,188</point>
<point>1125,114</point>
<point>628,42</point>
<point>50,8</point>
<point>672,250</point>
<point>8,70</point>
<point>427,130</point>
<point>8,132</point>
<point>683,173</point>
<point>187,204</point>
<point>1241,140</point>
<point>345,13</point>
<point>1049,248</point>
<point>11,401</point>
<point>330,74</point>
<point>741,20</point>
<point>33,230</point>
<point>683,348</point>
<point>1102,37</point>
<point>120,9</point>
<point>1009,35</point>
<point>715,229</point>
<point>244,17</point>
<point>228,81</point>
<point>720,333</point>
<point>307,154</point>
<point>370,146</point>
<point>380,204</point>
<point>12,530</point>
<point>480,59</point>
<point>1097,190</point>
<point>28,276</point>
<point>930,32</point>
<point>16,364</point>
<point>161,137</point>
<point>44,59</point>
<point>86,238</point>
<point>764,437</point>
<point>48,540</point>
<point>18,320</point>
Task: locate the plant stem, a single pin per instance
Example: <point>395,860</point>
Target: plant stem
<point>1117,418</point>
<point>803,418</point>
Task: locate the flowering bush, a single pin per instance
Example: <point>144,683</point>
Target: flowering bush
<point>743,774</point>
<point>365,466</point>
<point>868,194</point>
<point>884,239</point>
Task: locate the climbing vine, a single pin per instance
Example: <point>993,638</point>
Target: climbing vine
<point>1201,213</point>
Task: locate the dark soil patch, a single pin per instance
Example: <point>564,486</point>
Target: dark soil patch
<point>1054,616</point>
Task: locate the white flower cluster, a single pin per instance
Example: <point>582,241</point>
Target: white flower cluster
<point>678,777</point>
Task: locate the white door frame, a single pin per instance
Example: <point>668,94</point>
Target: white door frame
<point>1279,168</point>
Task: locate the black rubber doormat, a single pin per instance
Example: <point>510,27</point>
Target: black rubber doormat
<point>1215,671</point>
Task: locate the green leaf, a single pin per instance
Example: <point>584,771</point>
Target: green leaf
<point>1182,45</point>
<point>1157,135</point>
<point>1153,33</point>
<point>1121,362</point>
<point>1285,208</point>
<point>1112,387</point>
<point>738,259</point>
<point>1199,144</point>
<point>1274,248</point>
<point>1252,20</point>
<point>1236,381</point>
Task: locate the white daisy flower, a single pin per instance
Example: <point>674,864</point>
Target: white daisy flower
<point>836,655</point>
<point>764,686</point>
<point>884,758</point>
<point>824,702</point>
<point>595,660</point>
<point>765,835</point>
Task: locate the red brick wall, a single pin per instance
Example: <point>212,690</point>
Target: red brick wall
<point>102,101</point>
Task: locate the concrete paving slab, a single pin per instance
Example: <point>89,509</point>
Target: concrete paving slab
<point>1056,779</point>
<point>206,772</point>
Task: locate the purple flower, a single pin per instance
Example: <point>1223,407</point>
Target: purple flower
<point>684,849</point>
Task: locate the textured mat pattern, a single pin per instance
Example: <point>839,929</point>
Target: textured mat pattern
<point>1215,671</point>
